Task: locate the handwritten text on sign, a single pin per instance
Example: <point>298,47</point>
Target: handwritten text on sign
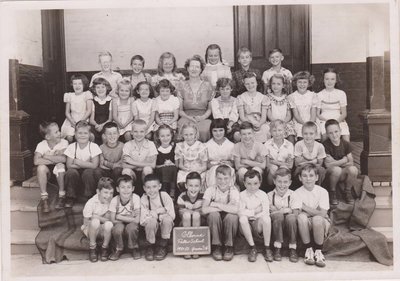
<point>192,240</point>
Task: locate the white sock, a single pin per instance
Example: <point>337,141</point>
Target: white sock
<point>61,193</point>
<point>277,244</point>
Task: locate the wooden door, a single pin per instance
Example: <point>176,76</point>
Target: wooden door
<point>262,28</point>
<point>54,64</point>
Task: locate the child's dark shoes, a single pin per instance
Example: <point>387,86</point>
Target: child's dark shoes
<point>195,257</point>
<point>115,255</point>
<point>277,254</point>
<point>69,203</point>
<point>252,256</point>
<point>333,198</point>
<point>104,254</point>
<point>268,256</point>
<point>217,254</point>
<point>136,254</point>
<point>60,203</point>
<point>45,205</point>
<point>293,257</point>
<point>93,255</point>
<point>160,254</point>
<point>149,255</point>
<point>228,254</point>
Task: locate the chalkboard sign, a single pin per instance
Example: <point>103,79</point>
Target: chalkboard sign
<point>191,240</point>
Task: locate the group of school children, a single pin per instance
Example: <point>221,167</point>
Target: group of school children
<point>261,139</point>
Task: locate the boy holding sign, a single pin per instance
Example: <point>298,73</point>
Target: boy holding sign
<point>221,204</point>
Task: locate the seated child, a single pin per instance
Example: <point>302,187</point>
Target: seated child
<point>220,205</point>
<point>143,106</point>
<point>308,150</point>
<point>244,57</point>
<point>167,70</point>
<point>101,108</point>
<point>139,155</point>
<point>111,157</point>
<point>190,155</point>
<point>190,202</point>
<point>122,109</point>
<point>284,206</point>
<point>313,216</point>
<point>253,107</point>
<point>105,61</point>
<point>157,213</point>
<point>339,162</point>
<point>50,159</point>
<point>166,105</point>
<point>254,215</point>
<point>279,150</point>
<point>83,158</point>
<point>125,213</point>
<point>248,153</point>
<point>96,219</point>
<point>165,164</point>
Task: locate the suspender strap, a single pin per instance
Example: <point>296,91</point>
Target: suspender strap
<point>76,148</point>
<point>162,202</point>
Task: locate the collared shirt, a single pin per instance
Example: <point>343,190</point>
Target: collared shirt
<point>317,197</point>
<point>238,76</point>
<point>95,207</point>
<point>102,102</point>
<point>225,109</point>
<point>192,155</point>
<point>249,202</point>
<point>140,153</point>
<point>288,200</point>
<point>146,206</point>
<point>301,150</point>
<point>214,194</point>
<point>282,153</point>
<point>252,104</point>
<point>44,148</point>
<point>218,152</point>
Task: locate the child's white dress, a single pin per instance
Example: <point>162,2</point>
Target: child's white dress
<point>165,109</point>
<point>142,110</point>
<point>330,103</point>
<point>212,72</point>
<point>279,107</point>
<point>124,113</point>
<point>78,109</point>
<point>303,103</point>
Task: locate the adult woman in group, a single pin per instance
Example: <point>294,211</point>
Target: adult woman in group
<point>195,96</point>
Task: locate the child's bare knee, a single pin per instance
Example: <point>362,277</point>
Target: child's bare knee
<point>42,169</point>
<point>335,171</point>
<point>353,171</point>
<point>196,215</point>
<point>317,221</point>
<point>243,220</point>
<point>108,226</point>
<point>186,216</point>
<point>94,223</point>
<point>302,219</point>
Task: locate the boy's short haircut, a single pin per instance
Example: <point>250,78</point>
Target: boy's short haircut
<point>303,75</point>
<point>100,81</point>
<point>81,77</point>
<point>44,128</point>
<point>223,82</point>
<point>193,176</point>
<point>165,83</point>
<point>109,125</point>
<point>105,54</point>
<point>218,123</point>
<point>124,82</point>
<point>243,50</point>
<point>137,57</point>
<point>309,167</point>
<point>309,124</point>
<point>276,123</point>
<point>151,177</point>
<point>282,172</point>
<point>275,50</point>
<point>223,169</point>
<point>331,122</point>
<point>251,174</point>
<point>82,124</point>
<point>245,125</point>
<point>105,183</point>
<point>124,178</point>
<point>139,122</point>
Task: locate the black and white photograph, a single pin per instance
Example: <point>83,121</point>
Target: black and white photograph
<point>219,140</point>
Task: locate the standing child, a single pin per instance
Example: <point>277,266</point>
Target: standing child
<point>303,102</point>
<point>216,67</point>
<point>165,165</point>
<point>254,215</point>
<point>253,107</point>
<point>122,109</point>
<point>275,58</point>
<point>78,106</point>
<point>137,64</point>
<point>244,57</point>
<point>309,151</point>
<point>105,61</point>
<point>157,215</point>
<point>96,219</point>
<point>50,159</point>
<point>166,105</point>
<point>190,202</point>
<point>279,105</point>
<point>167,70</point>
<point>143,106</point>
<point>313,216</point>
<point>83,158</point>
<point>219,150</point>
<point>248,153</point>
<point>284,207</point>
<point>101,109</point>
<point>111,157</point>
<point>125,213</point>
<point>139,154</point>
<point>332,104</point>
<point>221,205</point>
<point>191,154</point>
<point>279,151</point>
<point>339,163</point>
<point>225,107</point>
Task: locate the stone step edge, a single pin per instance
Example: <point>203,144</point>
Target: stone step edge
<point>23,236</point>
<point>387,231</point>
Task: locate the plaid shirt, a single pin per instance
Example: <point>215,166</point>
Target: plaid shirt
<point>238,81</point>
